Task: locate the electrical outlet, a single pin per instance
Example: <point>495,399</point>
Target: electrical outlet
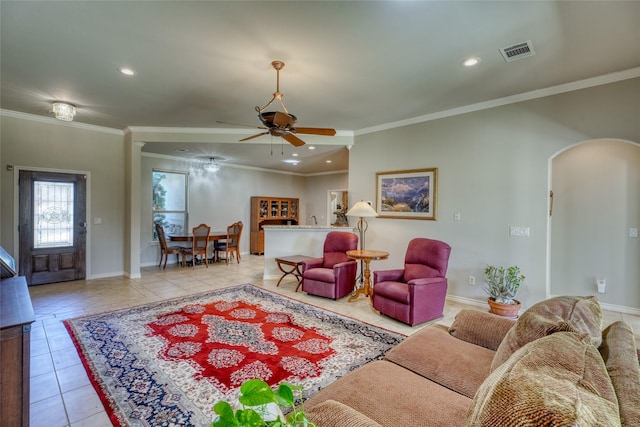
<point>633,232</point>
<point>472,280</point>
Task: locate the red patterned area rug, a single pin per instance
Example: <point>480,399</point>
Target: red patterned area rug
<point>167,363</point>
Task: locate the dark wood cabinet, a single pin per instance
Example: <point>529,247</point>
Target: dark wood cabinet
<point>16,317</point>
<point>270,211</point>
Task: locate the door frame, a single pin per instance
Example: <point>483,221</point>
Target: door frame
<point>16,211</point>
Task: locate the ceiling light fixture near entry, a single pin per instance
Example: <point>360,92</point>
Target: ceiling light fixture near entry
<point>471,61</point>
<point>212,165</point>
<point>64,111</point>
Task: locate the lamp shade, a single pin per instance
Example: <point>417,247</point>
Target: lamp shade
<point>362,209</point>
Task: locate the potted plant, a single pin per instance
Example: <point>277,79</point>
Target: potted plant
<point>502,287</point>
<point>260,407</point>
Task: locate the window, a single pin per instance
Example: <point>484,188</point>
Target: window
<point>170,191</point>
<point>53,214</point>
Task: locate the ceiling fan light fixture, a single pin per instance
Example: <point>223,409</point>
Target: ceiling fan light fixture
<point>64,111</point>
<point>212,165</point>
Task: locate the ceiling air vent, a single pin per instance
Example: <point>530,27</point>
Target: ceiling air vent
<point>518,51</point>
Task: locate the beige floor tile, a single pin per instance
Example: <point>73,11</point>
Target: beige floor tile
<point>41,364</point>
<point>72,377</point>
<point>43,387</point>
<point>82,403</point>
<point>49,412</point>
<point>65,358</point>
<point>39,346</point>
<point>100,419</point>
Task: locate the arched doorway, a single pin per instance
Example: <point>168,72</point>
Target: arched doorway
<point>595,214</point>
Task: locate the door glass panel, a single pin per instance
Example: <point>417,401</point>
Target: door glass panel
<point>53,214</point>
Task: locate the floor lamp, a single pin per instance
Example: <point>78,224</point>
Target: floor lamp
<point>362,210</point>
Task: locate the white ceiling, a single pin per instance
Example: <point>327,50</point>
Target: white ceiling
<point>350,65</point>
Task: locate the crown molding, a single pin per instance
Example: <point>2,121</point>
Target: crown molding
<point>498,102</point>
<point>52,121</point>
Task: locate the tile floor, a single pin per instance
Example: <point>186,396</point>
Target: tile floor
<point>61,394</point>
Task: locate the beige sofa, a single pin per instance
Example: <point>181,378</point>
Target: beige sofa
<point>554,366</point>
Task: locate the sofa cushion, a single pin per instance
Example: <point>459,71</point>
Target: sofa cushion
<point>565,313</point>
<point>331,413</point>
<point>619,352</point>
<point>557,380</point>
<point>481,328</point>
<point>394,396</point>
<point>434,354</point>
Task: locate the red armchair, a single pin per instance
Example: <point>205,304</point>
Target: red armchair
<point>333,275</point>
<point>415,294</point>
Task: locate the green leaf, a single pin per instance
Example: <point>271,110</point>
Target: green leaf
<point>226,415</point>
<point>249,418</point>
<point>255,393</point>
<point>284,395</point>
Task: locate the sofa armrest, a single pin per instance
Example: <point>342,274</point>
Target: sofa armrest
<point>388,275</point>
<point>311,263</point>
<point>481,328</point>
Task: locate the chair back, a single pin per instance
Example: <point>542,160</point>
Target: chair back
<point>336,244</point>
<point>161,237</point>
<point>426,258</point>
<point>234,231</point>
<point>201,237</point>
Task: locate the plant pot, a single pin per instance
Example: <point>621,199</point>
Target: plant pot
<point>506,310</point>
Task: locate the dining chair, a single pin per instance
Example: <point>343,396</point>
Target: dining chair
<point>231,246</point>
<point>166,250</point>
<point>199,245</point>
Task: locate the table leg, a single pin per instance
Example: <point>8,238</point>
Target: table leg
<point>295,271</point>
<point>366,288</point>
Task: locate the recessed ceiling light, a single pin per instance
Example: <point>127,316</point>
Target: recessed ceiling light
<point>328,161</point>
<point>470,62</point>
<point>295,154</point>
<point>181,150</point>
<point>127,71</point>
<point>292,161</point>
<point>311,147</point>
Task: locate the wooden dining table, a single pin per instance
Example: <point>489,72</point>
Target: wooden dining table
<point>214,236</point>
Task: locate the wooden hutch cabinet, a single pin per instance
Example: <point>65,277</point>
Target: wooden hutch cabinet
<point>270,211</point>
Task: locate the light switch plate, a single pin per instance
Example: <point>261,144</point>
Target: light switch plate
<point>519,231</point>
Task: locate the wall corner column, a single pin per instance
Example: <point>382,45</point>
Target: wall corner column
<point>133,177</point>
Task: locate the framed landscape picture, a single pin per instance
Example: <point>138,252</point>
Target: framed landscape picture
<point>410,194</point>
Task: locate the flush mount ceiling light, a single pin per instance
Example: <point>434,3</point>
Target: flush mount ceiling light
<point>293,162</point>
<point>64,111</point>
<point>127,71</point>
<point>471,61</point>
<point>212,165</point>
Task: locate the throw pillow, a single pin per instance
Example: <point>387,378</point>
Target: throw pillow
<point>558,380</point>
<point>565,313</point>
<point>480,328</point>
<point>619,352</point>
<point>333,413</point>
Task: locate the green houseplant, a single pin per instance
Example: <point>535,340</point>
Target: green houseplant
<point>260,407</point>
<point>503,284</point>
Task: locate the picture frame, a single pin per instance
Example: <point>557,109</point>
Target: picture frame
<point>407,194</point>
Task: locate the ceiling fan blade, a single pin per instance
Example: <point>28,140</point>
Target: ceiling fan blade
<point>315,131</point>
<point>240,124</point>
<point>254,136</point>
<point>294,140</point>
<point>283,120</point>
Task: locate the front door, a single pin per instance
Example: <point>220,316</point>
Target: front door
<point>52,226</point>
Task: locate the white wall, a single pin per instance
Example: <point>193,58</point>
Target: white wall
<point>596,188</point>
<point>316,195</point>
<point>494,170</point>
<point>45,143</point>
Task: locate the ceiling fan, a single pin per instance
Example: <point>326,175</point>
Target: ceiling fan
<point>282,124</point>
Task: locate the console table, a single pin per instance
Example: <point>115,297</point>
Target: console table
<point>16,317</point>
